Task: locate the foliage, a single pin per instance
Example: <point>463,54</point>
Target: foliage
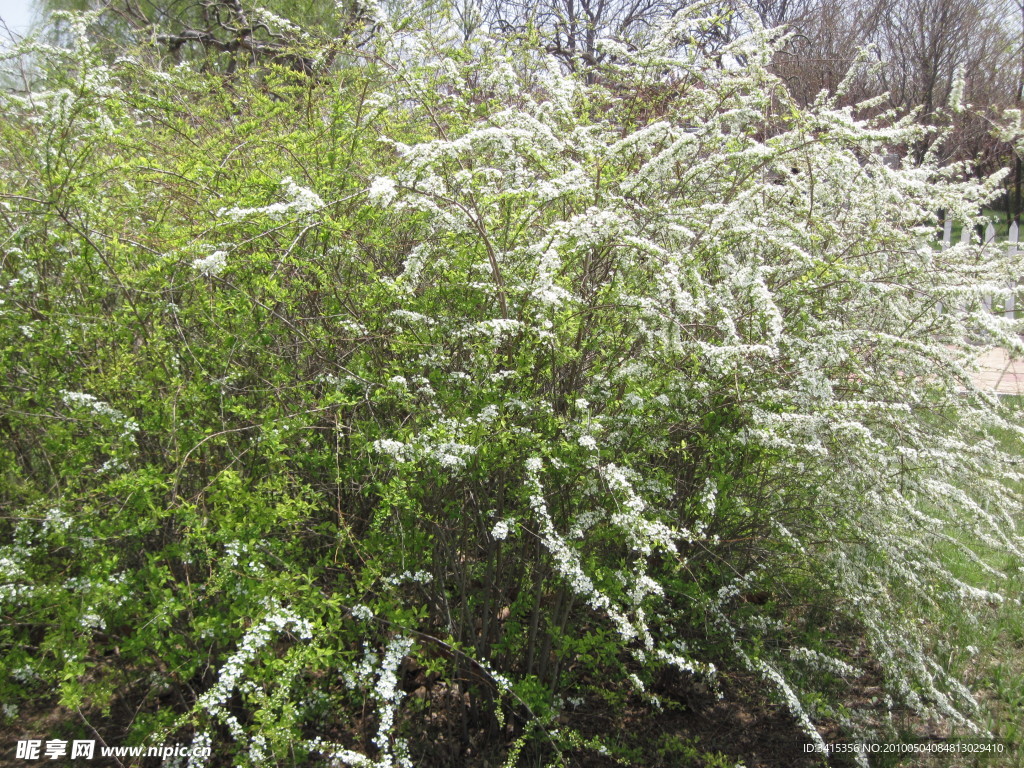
<point>452,371</point>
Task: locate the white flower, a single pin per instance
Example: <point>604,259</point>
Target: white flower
<point>213,264</point>
<point>232,673</point>
<point>56,520</point>
<point>418,577</point>
<point>303,200</point>
<point>451,461</point>
<point>85,400</point>
<point>500,530</point>
<point>201,747</point>
<point>382,190</point>
<point>396,449</point>
<point>487,415</point>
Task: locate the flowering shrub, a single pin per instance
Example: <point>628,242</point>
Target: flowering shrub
<point>461,373</point>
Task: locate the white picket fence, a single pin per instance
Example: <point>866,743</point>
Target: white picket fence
<point>1009,303</point>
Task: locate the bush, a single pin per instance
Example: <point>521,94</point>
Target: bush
<point>449,372</point>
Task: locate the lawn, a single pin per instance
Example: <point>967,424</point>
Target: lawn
<point>987,654</point>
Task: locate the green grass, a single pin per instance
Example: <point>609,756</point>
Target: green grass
<point>994,666</point>
<point>996,216</point>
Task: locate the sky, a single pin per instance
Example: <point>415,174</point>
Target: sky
<point>17,14</point>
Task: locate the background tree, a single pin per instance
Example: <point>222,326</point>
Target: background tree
<point>919,51</point>
<point>224,33</point>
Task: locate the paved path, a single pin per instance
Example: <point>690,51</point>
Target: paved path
<point>1000,372</point>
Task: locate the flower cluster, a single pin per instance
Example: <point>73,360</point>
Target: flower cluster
<point>301,201</point>
<point>393,751</point>
<point>100,408</point>
<point>212,265</point>
<point>232,673</point>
